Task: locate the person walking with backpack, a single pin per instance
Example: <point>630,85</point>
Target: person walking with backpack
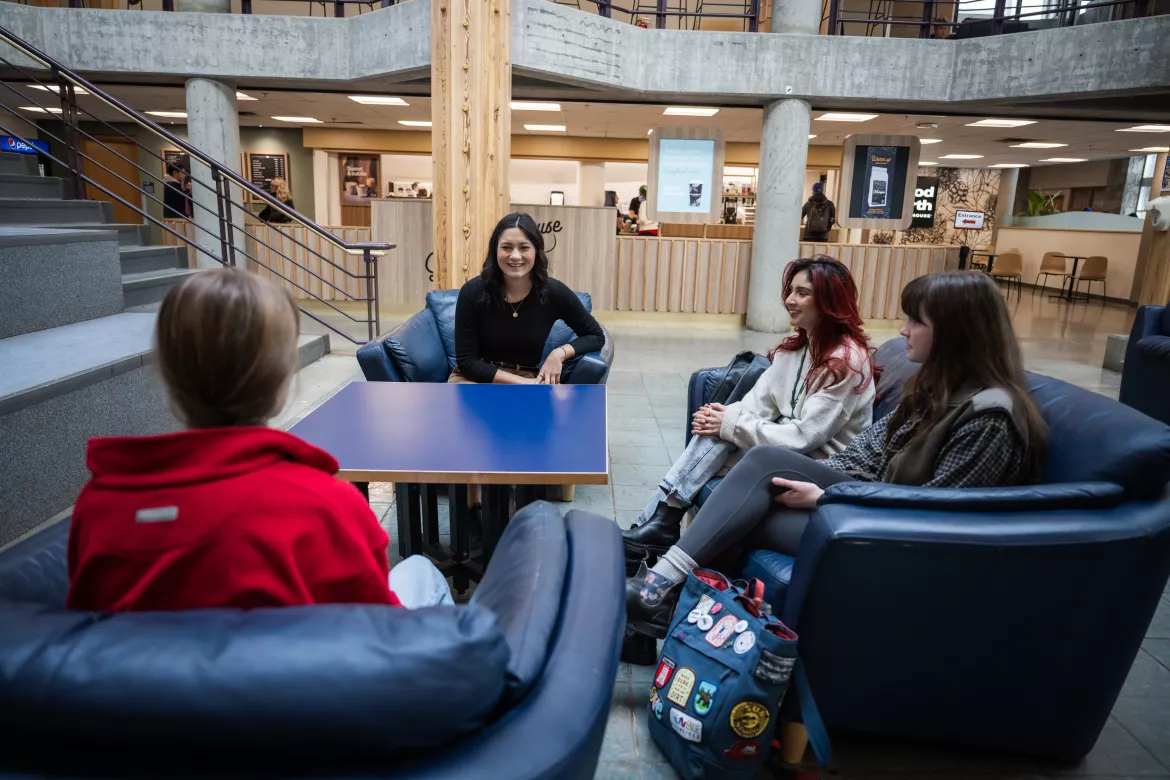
<point>819,214</point>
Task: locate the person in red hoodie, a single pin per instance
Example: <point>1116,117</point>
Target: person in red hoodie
<point>229,513</point>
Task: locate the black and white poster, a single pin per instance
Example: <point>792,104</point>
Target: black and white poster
<point>925,199</point>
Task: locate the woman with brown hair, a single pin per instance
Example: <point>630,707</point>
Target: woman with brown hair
<point>966,419</point>
<point>229,513</point>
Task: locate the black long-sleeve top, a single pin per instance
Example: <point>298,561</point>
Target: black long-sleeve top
<point>486,331</point>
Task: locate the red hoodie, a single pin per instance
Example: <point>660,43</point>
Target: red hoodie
<point>221,517</point>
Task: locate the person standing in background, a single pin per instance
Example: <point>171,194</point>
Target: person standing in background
<point>175,192</point>
<point>414,190</point>
<point>646,226</point>
<point>279,189</point>
<point>819,214</point>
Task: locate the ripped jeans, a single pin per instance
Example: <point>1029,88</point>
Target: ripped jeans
<point>703,458</point>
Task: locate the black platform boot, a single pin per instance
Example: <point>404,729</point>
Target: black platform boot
<point>656,535</point>
<point>650,602</point>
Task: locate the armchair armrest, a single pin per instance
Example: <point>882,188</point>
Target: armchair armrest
<point>591,368</point>
<point>412,352</point>
<point>1029,498</point>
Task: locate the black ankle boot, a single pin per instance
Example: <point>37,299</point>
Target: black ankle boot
<point>650,602</point>
<point>639,649</point>
<point>656,535</point>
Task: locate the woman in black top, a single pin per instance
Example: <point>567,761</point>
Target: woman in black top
<point>504,316</point>
<point>279,188</point>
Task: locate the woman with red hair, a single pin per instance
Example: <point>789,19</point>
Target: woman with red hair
<point>814,399</point>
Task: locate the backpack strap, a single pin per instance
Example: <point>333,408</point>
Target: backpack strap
<point>818,735</point>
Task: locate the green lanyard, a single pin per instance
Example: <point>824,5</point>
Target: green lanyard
<point>798,386</point>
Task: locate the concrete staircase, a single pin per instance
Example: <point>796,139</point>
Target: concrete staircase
<point>77,301</point>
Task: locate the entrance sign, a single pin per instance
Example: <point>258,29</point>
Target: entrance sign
<point>969,220</point>
<point>877,189</point>
<point>685,174</point>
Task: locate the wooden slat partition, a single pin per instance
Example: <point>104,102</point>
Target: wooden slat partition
<point>333,284</point>
<point>711,276</point>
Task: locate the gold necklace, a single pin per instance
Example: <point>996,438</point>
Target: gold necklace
<point>516,308</point>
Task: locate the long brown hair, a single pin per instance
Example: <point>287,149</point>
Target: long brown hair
<point>835,296</point>
<point>226,346</point>
<point>974,348</point>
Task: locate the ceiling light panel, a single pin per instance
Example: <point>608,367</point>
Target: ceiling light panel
<point>961,157</point>
<point>520,105</point>
<point>545,128</point>
<point>55,88</point>
<point>1002,123</point>
<point>1008,165</point>
<point>930,140</point>
<point>306,120</point>
<point>169,114</point>
<point>378,100</point>
<point>1037,145</point>
<point>1152,149</point>
<point>840,117</point>
<point>242,96</point>
<point>1145,129</point>
<point>1064,159</point>
<point>690,111</point>
<point>927,163</point>
<point>39,110</point>
<point>413,123</point>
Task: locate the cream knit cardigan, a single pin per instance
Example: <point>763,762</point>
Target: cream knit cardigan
<point>824,420</point>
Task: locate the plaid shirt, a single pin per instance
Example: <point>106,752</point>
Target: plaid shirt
<point>986,451</point>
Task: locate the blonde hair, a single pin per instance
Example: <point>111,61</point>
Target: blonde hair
<point>280,190</point>
<point>226,346</point>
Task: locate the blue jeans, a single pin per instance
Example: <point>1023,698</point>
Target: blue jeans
<point>418,583</point>
<point>701,460</point>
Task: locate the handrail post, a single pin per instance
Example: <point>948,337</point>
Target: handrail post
<point>69,120</point>
<point>217,177</point>
<point>660,15</point>
<point>231,239</point>
<point>605,8</point>
<point>834,11</point>
<point>168,5</point>
<point>246,6</point>
<point>339,10</point>
<point>366,257</point>
<point>754,21</point>
<point>997,19</point>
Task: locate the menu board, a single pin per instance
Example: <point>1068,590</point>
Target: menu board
<point>263,167</point>
<point>685,175</point>
<point>177,158</point>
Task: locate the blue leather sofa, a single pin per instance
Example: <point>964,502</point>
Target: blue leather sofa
<point>1146,375</point>
<point>516,684</point>
<point>1004,619</point>
<point>422,349</point>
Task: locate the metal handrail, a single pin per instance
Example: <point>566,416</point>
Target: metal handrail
<point>1065,12</point>
<point>224,179</point>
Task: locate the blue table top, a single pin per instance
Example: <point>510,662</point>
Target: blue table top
<point>464,434</point>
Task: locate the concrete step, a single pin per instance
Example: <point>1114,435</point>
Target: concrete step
<point>13,185</point>
<point>42,211</point>
<point>128,234</point>
<point>139,259</point>
<point>312,347</point>
<point>59,388</point>
<point>54,277</point>
<point>149,287</point>
<point>18,164</point>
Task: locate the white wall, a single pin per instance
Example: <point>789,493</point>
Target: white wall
<point>532,181</point>
<point>404,169</point>
<point>1094,173</point>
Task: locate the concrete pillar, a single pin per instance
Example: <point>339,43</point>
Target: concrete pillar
<point>591,184</point>
<point>783,157</point>
<point>214,128</point>
<point>796,17</point>
<point>1004,201</point>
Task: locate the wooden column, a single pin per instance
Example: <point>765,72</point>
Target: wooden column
<point>471,89</point>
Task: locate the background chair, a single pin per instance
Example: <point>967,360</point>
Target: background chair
<point>1053,264</point>
<point>948,615</point>
<point>1010,266</point>
<point>517,684</point>
<point>1094,270</point>
<point>1146,373</point>
<point>422,349</point>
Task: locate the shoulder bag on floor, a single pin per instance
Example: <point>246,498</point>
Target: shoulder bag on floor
<point>740,377</point>
<point>723,672</point>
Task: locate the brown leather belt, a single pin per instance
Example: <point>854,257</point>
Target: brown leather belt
<point>513,367</point>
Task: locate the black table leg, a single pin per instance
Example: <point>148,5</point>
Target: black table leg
<point>496,513</point>
<point>526,494</point>
<point>430,515</point>
<point>407,499</point>
<point>460,536</point>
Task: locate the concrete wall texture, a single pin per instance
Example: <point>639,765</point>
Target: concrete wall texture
<point>614,59</point>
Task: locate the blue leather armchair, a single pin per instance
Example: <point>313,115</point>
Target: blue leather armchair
<point>1145,379</point>
<point>516,684</point>
<point>422,349</point>
<point>1003,619</point>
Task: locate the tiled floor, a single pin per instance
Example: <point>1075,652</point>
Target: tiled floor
<point>647,401</point>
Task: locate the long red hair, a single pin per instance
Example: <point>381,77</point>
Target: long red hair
<point>835,296</point>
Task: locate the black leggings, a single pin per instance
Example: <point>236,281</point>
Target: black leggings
<point>743,509</point>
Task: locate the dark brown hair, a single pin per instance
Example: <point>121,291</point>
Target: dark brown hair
<point>226,346</point>
<point>974,347</point>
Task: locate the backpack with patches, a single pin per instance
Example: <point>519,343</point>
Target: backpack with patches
<point>722,675</point>
<point>818,217</point>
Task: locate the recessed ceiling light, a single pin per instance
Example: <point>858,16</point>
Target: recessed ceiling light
<point>1152,149</point>
<point>1064,159</point>
<point>519,105</point>
<point>1037,145</point>
<point>961,157</point>
<point>927,163</point>
<point>1008,165</point>
<point>545,128</point>
<point>650,131</point>
<point>56,88</point>
<point>413,123</point>
<point>1145,129</point>
<point>39,110</point>
<point>169,114</point>
<point>1002,123</point>
<point>378,100</point>
<point>838,117</point>
<point>308,120</point>
<point>930,140</point>
<point>242,96</point>
<point>690,111</point>
<point>811,137</point>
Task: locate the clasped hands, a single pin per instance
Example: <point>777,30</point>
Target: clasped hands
<point>708,420</point>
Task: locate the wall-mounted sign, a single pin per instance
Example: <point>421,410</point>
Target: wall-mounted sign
<point>685,174</point>
<point>359,179</point>
<point>877,189</point>
<point>263,167</point>
<point>177,158</point>
<point>969,220</point>
<point>17,146</point>
<point>925,197</point>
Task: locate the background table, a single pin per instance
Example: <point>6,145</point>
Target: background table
<point>421,435</point>
<point>990,258</point>
<point>1068,296</point>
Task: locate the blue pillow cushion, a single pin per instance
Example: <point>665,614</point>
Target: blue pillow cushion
<point>561,333</point>
<point>442,305</point>
<point>35,569</point>
<point>413,350</point>
<point>774,570</point>
<point>313,681</point>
